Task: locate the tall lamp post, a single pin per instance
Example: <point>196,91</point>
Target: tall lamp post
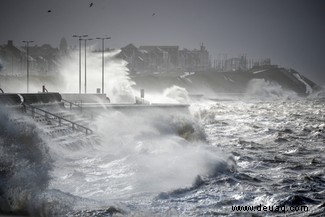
<point>86,39</point>
<point>27,62</point>
<point>80,37</point>
<point>103,38</point>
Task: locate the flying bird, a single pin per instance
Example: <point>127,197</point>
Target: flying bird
<point>49,11</point>
<point>153,14</point>
<point>91,4</point>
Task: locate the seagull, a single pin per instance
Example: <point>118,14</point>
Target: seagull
<point>91,4</point>
<point>49,11</point>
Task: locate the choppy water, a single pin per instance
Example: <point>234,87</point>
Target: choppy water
<point>220,155</point>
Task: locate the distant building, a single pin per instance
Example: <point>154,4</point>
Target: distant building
<point>149,58</point>
<point>241,63</point>
<point>43,60</point>
<point>163,58</point>
<point>12,59</point>
<point>137,60</point>
<point>195,60</point>
<point>262,62</point>
<point>63,46</point>
<point>236,64</point>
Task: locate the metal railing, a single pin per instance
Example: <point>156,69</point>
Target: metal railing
<point>53,117</point>
<point>71,104</point>
<point>78,105</point>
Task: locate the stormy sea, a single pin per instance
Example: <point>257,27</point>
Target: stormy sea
<point>244,156</point>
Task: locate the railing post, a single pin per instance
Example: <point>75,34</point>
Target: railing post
<point>33,113</point>
<point>24,109</point>
<point>47,115</point>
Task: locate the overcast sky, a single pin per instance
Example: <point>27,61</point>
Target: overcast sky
<point>290,32</point>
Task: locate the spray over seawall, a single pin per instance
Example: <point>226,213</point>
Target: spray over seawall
<point>28,165</point>
<point>140,153</point>
<point>118,85</point>
<point>148,152</point>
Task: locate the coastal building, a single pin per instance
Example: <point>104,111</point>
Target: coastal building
<point>43,60</point>
<point>262,62</point>
<point>240,63</point>
<point>161,59</point>
<point>236,64</point>
<point>136,59</point>
<point>194,60</point>
<point>12,59</point>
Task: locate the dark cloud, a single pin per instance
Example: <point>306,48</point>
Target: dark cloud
<point>291,32</point>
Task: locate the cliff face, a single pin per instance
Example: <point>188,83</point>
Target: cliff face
<point>228,82</point>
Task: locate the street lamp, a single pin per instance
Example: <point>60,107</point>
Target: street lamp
<point>80,37</point>
<point>103,38</point>
<point>27,62</point>
<point>86,39</point>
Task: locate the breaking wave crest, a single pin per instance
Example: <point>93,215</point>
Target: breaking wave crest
<point>266,89</point>
<point>25,170</point>
<point>176,94</point>
<point>161,151</point>
<point>24,166</point>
